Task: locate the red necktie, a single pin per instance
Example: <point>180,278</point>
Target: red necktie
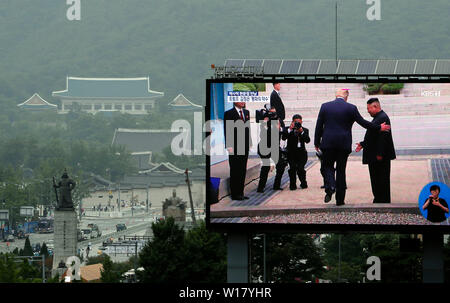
<point>242,117</point>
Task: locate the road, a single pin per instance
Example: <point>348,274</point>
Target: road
<point>136,225</point>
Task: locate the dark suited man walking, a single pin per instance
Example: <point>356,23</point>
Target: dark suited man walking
<point>378,153</point>
<point>277,103</point>
<point>333,136</point>
<point>238,144</point>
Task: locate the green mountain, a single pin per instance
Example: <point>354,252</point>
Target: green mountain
<point>174,42</point>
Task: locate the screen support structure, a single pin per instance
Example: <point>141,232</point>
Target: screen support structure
<point>237,255</point>
<point>433,258</point>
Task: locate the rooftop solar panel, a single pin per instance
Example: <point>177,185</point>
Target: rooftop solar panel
<point>386,67</point>
<point>425,66</point>
<point>327,67</point>
<point>405,67</point>
<point>309,67</point>
<point>442,67</point>
<point>347,67</point>
<point>272,66</point>
<point>234,62</point>
<point>253,62</point>
<point>290,67</point>
<point>366,67</point>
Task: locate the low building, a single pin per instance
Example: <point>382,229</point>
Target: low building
<point>93,95</point>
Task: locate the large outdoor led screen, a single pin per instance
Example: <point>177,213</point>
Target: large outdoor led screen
<point>331,154</point>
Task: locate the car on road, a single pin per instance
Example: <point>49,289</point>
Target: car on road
<point>95,231</point>
<point>107,242</point>
<point>120,227</point>
<point>10,238</point>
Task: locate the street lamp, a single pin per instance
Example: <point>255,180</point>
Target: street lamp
<point>146,205</point>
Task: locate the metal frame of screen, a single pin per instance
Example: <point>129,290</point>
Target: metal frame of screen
<point>316,228</point>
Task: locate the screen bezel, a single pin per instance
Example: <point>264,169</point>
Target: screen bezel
<point>317,228</point>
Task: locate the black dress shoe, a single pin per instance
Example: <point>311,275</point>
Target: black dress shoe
<point>323,186</point>
<point>340,204</point>
<point>260,191</point>
<point>245,197</point>
<point>277,188</point>
<point>292,188</point>
<point>329,194</point>
<point>304,185</point>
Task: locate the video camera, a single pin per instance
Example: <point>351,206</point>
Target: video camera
<point>265,113</point>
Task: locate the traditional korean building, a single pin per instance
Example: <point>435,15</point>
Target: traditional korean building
<point>37,103</point>
<point>143,143</point>
<point>93,95</point>
<point>181,103</point>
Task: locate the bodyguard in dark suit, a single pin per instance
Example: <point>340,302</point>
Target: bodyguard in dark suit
<point>297,137</point>
<point>333,136</point>
<point>378,153</point>
<point>277,103</point>
<point>237,146</point>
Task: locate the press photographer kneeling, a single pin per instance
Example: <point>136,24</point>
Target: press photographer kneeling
<point>269,135</point>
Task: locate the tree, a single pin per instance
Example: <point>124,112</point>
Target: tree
<point>163,258</point>
<point>44,250</point>
<point>289,257</point>
<point>27,250</point>
<point>108,275</point>
<point>9,273</point>
<point>205,254</point>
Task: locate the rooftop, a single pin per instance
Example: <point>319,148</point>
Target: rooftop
<point>144,140</point>
<point>136,88</point>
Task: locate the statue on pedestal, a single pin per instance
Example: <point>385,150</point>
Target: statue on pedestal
<point>65,185</point>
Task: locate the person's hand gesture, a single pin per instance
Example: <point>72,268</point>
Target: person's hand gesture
<point>385,127</point>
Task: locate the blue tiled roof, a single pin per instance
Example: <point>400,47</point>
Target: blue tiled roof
<point>108,88</point>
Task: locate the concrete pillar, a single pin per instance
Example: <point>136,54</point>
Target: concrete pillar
<point>433,258</point>
<point>65,237</point>
<point>237,265</point>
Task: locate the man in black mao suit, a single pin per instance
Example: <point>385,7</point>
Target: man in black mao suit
<point>297,137</point>
<point>378,153</point>
<point>237,145</point>
<point>277,103</point>
<point>333,135</point>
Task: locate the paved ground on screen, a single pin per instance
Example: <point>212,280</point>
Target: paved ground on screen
<point>409,175</point>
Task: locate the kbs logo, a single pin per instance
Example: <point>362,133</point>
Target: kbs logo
<point>430,93</point>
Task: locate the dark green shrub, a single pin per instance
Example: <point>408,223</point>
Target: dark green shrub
<point>392,88</point>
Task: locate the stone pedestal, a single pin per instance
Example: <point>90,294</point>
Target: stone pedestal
<point>65,237</point>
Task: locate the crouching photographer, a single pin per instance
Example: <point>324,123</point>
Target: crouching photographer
<point>297,138</point>
<point>269,135</point>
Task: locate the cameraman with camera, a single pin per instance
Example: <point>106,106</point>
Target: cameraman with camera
<point>297,137</point>
<point>270,120</point>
